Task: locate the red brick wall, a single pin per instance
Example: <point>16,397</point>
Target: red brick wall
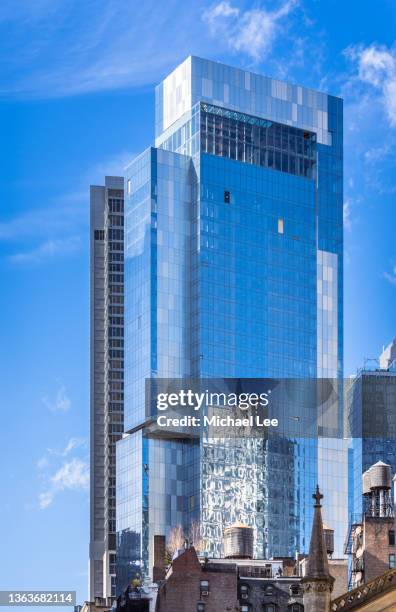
<point>181,591</point>
<point>376,547</point>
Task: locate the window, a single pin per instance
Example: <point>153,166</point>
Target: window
<point>280,226</point>
<point>269,607</point>
<point>99,234</point>
<point>244,591</point>
<point>392,559</point>
<point>245,608</point>
<point>204,588</point>
<point>227,197</point>
<point>296,607</point>
<point>254,140</point>
<point>200,607</point>
<point>391,538</point>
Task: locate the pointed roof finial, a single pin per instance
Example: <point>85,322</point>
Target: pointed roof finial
<point>317,496</point>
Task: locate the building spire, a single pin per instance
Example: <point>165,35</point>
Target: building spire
<point>318,566</point>
<point>318,583</point>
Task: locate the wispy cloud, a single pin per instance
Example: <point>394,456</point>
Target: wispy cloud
<point>375,154</point>
<point>47,250</point>
<point>60,403</point>
<point>113,165</point>
<point>375,65</point>
<point>391,276</point>
<point>61,469</point>
<point>61,216</point>
<point>42,463</point>
<point>74,47</point>
<point>46,499</point>
<point>347,214</point>
<point>251,31</point>
<point>40,235</point>
<point>71,445</point>
<point>71,475</point>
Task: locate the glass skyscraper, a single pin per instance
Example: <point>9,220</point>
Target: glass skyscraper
<point>371,403</point>
<point>233,269</point>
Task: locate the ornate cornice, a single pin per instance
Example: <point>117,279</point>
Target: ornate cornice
<point>316,586</point>
<point>366,592</point>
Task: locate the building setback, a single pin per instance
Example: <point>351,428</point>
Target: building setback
<point>107,376</point>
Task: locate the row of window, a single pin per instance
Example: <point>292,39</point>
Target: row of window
<point>271,607</point>
<point>116,267</point>
<point>116,205</point>
<point>244,594</point>
<point>115,257</point>
<point>258,142</point>
<point>112,234</point>
<point>117,220</point>
<point>114,343</point>
<point>269,590</point>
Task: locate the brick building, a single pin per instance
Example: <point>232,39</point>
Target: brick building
<point>239,583</point>
<point>372,538</point>
<point>199,587</point>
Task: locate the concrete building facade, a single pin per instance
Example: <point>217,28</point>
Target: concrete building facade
<point>107,377</point>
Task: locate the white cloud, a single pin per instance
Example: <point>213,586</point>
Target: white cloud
<point>377,153</point>
<point>251,32</point>
<point>47,250</point>
<point>391,276</point>
<point>71,445</point>
<point>59,474</point>
<point>72,475</point>
<point>45,499</point>
<point>376,67</point>
<point>77,47</point>
<point>61,402</point>
<point>223,9</point>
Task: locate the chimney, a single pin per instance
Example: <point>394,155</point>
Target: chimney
<point>159,558</point>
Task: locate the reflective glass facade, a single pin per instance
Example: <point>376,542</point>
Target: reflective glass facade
<point>233,268</point>
<point>371,401</point>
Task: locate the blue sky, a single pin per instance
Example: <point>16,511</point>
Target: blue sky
<point>77,102</point>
